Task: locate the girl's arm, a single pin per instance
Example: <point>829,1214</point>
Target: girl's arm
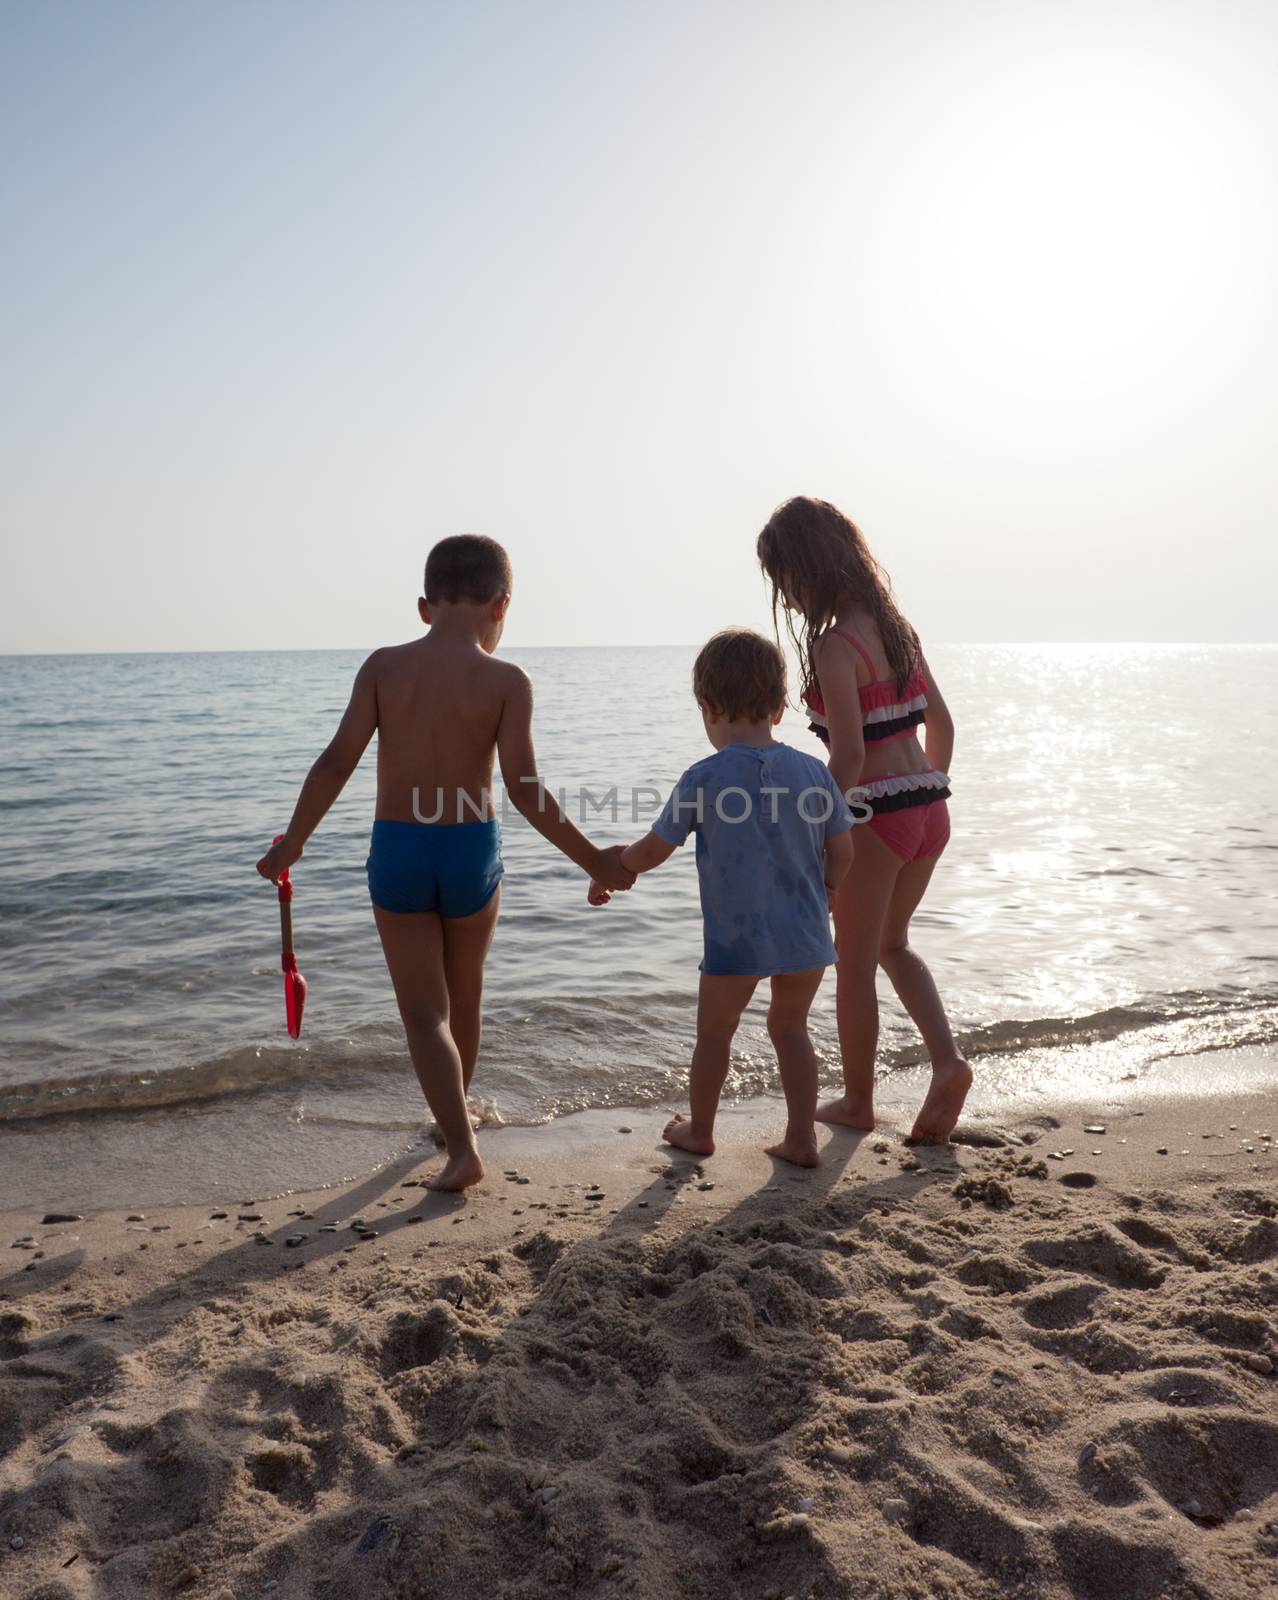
<point>938,725</point>
<point>328,777</point>
<point>836,663</point>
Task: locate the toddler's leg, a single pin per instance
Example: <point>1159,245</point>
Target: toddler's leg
<point>414,948</point>
<point>913,982</point>
<point>792,997</point>
<point>720,1002</point>
<point>859,909</point>
<point>466,942</point>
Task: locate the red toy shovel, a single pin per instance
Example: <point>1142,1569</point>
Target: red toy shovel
<point>294,982</point>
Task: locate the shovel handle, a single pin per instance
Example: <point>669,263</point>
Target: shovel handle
<point>285,887</point>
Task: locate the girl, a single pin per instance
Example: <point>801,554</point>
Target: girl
<point>868,690</point>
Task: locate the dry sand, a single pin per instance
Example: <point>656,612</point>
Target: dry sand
<point>944,1372</point>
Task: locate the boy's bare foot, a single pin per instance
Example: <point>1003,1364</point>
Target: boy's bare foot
<point>802,1152</point>
<point>847,1113</point>
<point>678,1132</point>
<point>940,1111</point>
<point>458,1172</point>
<point>437,1133</point>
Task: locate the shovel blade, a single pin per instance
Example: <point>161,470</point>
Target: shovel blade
<point>294,1002</point>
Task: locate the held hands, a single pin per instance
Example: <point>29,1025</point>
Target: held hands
<point>279,858</point>
<point>611,873</point>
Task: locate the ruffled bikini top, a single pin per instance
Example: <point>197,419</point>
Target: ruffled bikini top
<point>887,712</point>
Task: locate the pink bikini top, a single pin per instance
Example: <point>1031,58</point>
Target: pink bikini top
<point>886,711</point>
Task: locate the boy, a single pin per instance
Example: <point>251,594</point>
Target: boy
<point>773,845</point>
<point>442,707</point>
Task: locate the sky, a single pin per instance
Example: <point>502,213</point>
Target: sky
<point>290,289</point>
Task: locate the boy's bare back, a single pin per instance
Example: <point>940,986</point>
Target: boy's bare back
<point>443,707</point>
<point>439,703</point>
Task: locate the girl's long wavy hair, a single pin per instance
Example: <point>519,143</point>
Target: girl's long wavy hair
<point>818,559</point>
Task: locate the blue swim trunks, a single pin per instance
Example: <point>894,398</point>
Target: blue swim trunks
<point>449,867</point>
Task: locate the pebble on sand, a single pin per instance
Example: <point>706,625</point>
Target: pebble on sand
<point>784,1522</point>
<point>50,1217</point>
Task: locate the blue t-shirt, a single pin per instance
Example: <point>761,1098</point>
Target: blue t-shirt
<point>762,815</point>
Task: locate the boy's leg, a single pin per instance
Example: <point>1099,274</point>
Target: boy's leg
<point>720,1002</point>
<point>413,944</point>
<point>466,943</point>
<point>792,997</point>
<point>859,909</point>
<point>913,982</point>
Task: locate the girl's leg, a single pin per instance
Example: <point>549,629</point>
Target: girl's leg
<point>466,942</point>
<point>792,997</point>
<point>414,948</point>
<point>859,910</point>
<point>917,992</point>
<point>720,1002</point>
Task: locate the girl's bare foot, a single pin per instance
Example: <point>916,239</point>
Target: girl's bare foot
<point>458,1172</point>
<point>678,1132</point>
<point>802,1152</point>
<point>940,1111</point>
<point>847,1113</point>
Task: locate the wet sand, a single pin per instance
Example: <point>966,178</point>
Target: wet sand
<point>1041,1363</point>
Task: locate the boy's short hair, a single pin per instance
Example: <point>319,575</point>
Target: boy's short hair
<point>467,566</point>
<point>740,674</point>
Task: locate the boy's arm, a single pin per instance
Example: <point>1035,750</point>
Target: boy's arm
<point>327,778</point>
<point>647,853</point>
<point>938,725</point>
<point>532,800</point>
<point>642,856</point>
<point>838,854</point>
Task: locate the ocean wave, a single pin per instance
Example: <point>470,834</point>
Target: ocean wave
<point>524,1039</point>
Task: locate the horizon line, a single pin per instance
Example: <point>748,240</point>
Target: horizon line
<point>342,649</point>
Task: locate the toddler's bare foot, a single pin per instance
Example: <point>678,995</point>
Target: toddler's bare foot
<point>847,1113</point>
<point>801,1151</point>
<point>940,1111</point>
<point>458,1172</point>
<point>678,1132</point>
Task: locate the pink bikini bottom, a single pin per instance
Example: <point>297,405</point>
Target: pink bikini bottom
<point>919,834</point>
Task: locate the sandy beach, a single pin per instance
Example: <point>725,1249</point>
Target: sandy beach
<point>1038,1363</point>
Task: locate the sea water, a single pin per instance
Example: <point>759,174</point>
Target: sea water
<point>1107,904</point>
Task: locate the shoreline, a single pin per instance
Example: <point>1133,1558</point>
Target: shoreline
<point>958,1370</point>
<point>160,1159</point>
